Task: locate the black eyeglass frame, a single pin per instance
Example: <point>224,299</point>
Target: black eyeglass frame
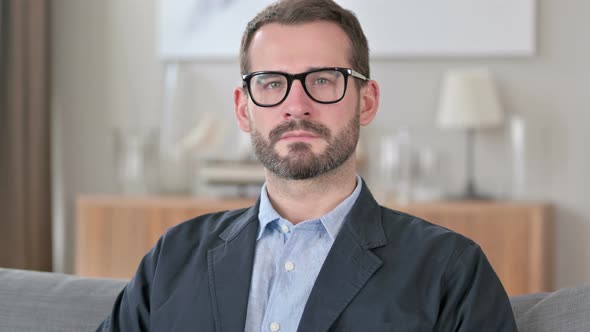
<point>346,72</point>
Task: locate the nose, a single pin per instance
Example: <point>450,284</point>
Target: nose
<point>298,105</point>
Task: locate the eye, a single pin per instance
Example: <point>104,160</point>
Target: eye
<point>272,85</point>
<point>324,78</point>
<point>322,81</point>
<point>269,81</point>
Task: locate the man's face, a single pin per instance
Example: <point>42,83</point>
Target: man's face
<point>300,138</point>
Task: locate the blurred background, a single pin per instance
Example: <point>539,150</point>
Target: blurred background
<point>102,109</point>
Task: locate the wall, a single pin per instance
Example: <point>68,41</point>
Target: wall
<point>106,74</point>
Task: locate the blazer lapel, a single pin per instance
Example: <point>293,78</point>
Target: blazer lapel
<point>230,271</point>
<point>348,266</point>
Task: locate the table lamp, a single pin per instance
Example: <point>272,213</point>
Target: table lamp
<point>468,101</point>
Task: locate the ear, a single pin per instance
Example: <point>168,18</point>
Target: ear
<point>369,102</point>
<point>241,109</point>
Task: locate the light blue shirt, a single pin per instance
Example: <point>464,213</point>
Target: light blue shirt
<point>287,261</point>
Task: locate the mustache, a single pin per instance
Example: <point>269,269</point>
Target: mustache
<point>307,125</point>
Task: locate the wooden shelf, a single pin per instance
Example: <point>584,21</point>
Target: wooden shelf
<point>113,233</point>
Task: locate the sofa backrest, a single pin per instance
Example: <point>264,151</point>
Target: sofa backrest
<point>565,310</point>
<point>43,301</point>
<point>46,302</point>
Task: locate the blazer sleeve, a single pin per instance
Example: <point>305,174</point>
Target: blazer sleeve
<point>131,310</point>
<point>473,298</point>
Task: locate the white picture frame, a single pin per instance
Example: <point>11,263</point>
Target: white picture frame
<point>212,29</point>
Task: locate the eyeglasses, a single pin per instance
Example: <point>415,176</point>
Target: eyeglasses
<point>323,85</point>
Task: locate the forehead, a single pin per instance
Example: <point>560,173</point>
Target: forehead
<point>296,48</point>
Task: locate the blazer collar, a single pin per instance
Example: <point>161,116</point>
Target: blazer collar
<point>230,270</point>
<point>364,220</point>
<point>348,266</point>
<point>250,215</point>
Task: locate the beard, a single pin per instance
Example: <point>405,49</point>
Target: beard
<point>301,162</point>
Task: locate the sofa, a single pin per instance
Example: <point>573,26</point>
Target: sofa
<point>44,301</point>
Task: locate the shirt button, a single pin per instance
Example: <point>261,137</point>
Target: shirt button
<point>285,228</point>
<point>274,326</point>
<point>289,266</point>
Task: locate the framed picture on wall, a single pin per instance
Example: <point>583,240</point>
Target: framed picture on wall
<point>212,29</point>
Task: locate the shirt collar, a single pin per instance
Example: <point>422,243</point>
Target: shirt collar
<point>266,213</point>
<point>332,221</point>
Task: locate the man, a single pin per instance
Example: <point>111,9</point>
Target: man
<point>316,252</point>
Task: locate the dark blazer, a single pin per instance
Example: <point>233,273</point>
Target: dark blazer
<point>386,271</point>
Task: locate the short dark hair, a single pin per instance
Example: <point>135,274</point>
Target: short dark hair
<point>292,12</point>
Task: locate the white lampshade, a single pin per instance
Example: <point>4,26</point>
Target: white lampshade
<point>469,100</point>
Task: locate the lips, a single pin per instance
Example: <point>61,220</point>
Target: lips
<point>301,129</point>
<point>299,134</point>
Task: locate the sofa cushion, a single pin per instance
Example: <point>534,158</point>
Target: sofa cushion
<point>43,301</point>
<point>565,310</point>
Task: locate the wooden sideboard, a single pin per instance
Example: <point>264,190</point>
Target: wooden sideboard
<point>113,233</point>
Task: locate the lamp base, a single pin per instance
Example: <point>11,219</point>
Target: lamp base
<point>471,194</point>
<point>471,197</point>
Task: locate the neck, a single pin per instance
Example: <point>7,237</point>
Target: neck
<point>300,200</point>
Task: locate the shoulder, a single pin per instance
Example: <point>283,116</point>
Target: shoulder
<point>406,227</point>
<point>189,242</point>
<point>414,235</point>
<point>426,249</point>
<point>212,223</point>
<point>451,267</point>
<point>204,228</point>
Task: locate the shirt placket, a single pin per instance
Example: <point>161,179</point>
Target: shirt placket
<point>277,309</point>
